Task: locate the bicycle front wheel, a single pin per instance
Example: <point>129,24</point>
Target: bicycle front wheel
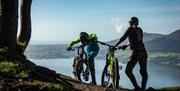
<point>115,77</point>
<point>105,78</point>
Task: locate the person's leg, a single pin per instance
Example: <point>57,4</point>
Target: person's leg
<point>143,70</point>
<point>81,53</point>
<point>92,70</point>
<point>129,68</point>
<point>90,61</point>
<point>74,63</point>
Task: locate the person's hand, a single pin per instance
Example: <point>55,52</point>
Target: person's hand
<point>124,47</point>
<point>113,48</point>
<point>69,48</point>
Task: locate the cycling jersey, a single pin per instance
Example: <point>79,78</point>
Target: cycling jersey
<point>91,47</point>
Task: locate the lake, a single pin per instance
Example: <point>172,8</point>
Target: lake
<point>159,75</point>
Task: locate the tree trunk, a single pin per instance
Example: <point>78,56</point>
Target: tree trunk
<point>25,30</point>
<point>8,25</point>
<point>10,45</point>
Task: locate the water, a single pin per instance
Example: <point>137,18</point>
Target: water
<point>159,76</point>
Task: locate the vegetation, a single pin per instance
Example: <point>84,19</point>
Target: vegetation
<point>17,73</point>
<point>170,59</point>
<point>170,89</point>
<point>13,69</point>
<point>162,58</point>
<point>50,86</point>
<point>17,76</point>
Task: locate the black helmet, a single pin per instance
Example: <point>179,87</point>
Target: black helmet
<point>83,37</point>
<point>134,20</point>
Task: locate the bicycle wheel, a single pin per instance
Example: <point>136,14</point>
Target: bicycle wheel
<point>79,69</point>
<point>75,67</point>
<point>115,77</point>
<point>105,78</point>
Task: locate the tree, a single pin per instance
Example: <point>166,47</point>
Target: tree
<point>10,44</point>
<point>25,31</point>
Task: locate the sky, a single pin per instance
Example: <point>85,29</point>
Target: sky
<point>62,20</point>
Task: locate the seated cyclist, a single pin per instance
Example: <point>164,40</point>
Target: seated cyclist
<point>91,48</point>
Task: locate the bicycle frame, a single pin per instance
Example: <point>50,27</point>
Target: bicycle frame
<point>77,48</point>
<point>111,68</point>
<point>110,57</point>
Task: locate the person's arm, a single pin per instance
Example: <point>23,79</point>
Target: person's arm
<point>75,42</point>
<point>125,46</point>
<point>140,34</point>
<point>125,35</point>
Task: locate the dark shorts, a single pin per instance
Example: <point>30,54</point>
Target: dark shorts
<point>140,57</point>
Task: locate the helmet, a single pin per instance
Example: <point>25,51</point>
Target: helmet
<point>134,21</point>
<point>83,37</point>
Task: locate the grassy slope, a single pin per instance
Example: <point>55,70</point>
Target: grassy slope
<point>17,76</point>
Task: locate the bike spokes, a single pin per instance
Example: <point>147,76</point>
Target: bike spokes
<point>105,79</point>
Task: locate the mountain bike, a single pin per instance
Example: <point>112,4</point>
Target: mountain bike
<point>110,74</point>
<point>80,65</point>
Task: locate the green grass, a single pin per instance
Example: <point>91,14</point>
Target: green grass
<point>13,69</point>
<point>51,86</point>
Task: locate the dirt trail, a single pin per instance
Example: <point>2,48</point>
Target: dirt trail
<point>79,86</point>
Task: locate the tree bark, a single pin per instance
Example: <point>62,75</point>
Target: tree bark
<point>25,30</point>
<point>10,44</point>
<point>8,24</point>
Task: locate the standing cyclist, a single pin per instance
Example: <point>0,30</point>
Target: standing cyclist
<point>139,54</point>
<point>91,48</point>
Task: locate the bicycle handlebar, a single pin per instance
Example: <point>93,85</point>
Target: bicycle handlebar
<point>106,44</point>
<point>74,48</point>
<point>110,46</point>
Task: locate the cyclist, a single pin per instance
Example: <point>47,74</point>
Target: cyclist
<point>139,54</point>
<point>90,48</point>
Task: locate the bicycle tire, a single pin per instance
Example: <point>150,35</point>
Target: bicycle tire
<point>104,75</point>
<point>115,76</point>
<point>78,69</point>
<point>74,67</point>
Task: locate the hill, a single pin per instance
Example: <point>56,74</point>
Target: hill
<point>168,43</point>
<point>146,37</point>
<point>159,42</point>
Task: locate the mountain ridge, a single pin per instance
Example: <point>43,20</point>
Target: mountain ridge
<point>155,42</point>
<point>168,43</point>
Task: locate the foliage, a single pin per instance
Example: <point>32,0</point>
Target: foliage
<point>51,86</point>
<point>13,69</point>
<point>3,50</point>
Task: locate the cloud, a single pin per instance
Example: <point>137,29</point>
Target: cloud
<point>120,25</point>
